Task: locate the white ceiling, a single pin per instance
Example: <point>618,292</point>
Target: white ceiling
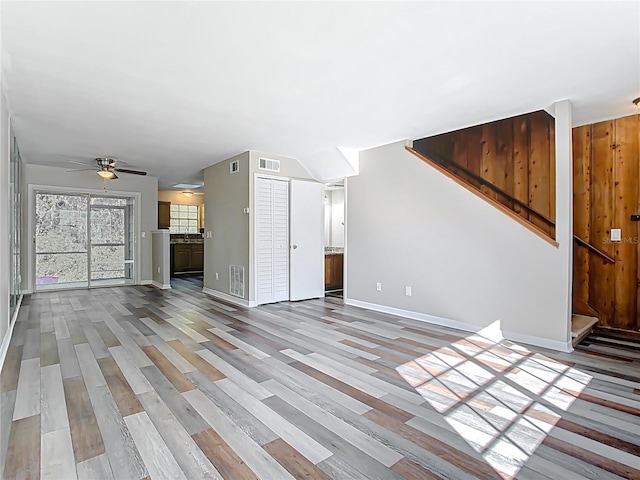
<point>172,87</point>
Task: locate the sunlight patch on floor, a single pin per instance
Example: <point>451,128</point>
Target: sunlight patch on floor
<point>501,398</point>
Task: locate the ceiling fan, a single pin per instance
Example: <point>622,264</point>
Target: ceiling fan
<point>106,168</point>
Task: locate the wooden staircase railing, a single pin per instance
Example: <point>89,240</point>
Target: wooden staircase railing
<point>593,249</point>
<point>440,166</point>
<point>434,157</point>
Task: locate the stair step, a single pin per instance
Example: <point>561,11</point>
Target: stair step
<point>581,327</point>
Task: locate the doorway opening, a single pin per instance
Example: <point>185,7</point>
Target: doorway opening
<point>83,240</point>
<point>334,235</point>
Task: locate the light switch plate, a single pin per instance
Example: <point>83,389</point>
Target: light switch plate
<point>616,234</point>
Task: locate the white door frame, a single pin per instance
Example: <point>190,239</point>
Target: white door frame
<point>31,255</point>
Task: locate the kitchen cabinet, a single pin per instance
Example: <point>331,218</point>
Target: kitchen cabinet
<point>187,257</point>
<point>181,258</point>
<point>333,271</point>
<point>197,257</point>
<point>164,215</point>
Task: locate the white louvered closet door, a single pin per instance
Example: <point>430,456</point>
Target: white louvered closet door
<point>272,236</point>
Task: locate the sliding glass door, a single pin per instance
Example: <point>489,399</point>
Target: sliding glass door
<point>111,248</point>
<point>83,240</point>
<point>61,241</point>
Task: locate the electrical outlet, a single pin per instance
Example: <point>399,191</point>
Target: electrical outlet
<point>216,275</point>
<point>379,286</point>
<point>407,291</point>
<point>616,234</point>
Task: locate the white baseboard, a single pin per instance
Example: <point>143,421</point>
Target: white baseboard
<point>146,282</point>
<point>467,327</point>
<point>423,317</point>
<point>241,302</point>
<point>161,286</point>
<point>557,345</point>
<point>4,348</point>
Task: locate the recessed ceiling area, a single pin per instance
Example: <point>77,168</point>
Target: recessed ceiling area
<point>172,87</point>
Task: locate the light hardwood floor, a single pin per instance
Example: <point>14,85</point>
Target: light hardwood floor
<point>134,383</point>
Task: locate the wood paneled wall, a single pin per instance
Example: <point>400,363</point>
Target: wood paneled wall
<point>516,154</point>
<point>606,194</point>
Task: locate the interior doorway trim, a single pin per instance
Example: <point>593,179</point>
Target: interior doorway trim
<point>31,219</point>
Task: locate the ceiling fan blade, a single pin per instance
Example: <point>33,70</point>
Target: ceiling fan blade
<point>131,172</point>
<point>80,163</point>
<point>81,170</point>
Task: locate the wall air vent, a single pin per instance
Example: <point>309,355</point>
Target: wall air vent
<point>236,281</point>
<point>234,166</point>
<point>268,164</point>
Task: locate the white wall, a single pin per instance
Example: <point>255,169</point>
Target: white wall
<point>337,218</point>
<point>328,194</point>
<point>5,207</point>
<point>161,259</point>
<point>466,262</point>
<point>53,177</point>
<point>225,197</point>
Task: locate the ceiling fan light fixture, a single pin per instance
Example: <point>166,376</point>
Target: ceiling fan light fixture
<point>107,174</point>
<point>636,102</point>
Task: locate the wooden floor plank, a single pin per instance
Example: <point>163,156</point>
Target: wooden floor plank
<point>122,393</point>
<point>7,404</point>
<point>95,468</point>
<point>223,457</point>
<point>295,463</point>
<point>68,360</point>
<point>57,459</point>
<point>28,392</point>
<point>85,434</point>
<point>11,368</point>
<point>155,453</point>
<point>53,408</point>
<point>23,453</point>
<point>135,378</point>
<point>177,379</point>
<point>413,471</point>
